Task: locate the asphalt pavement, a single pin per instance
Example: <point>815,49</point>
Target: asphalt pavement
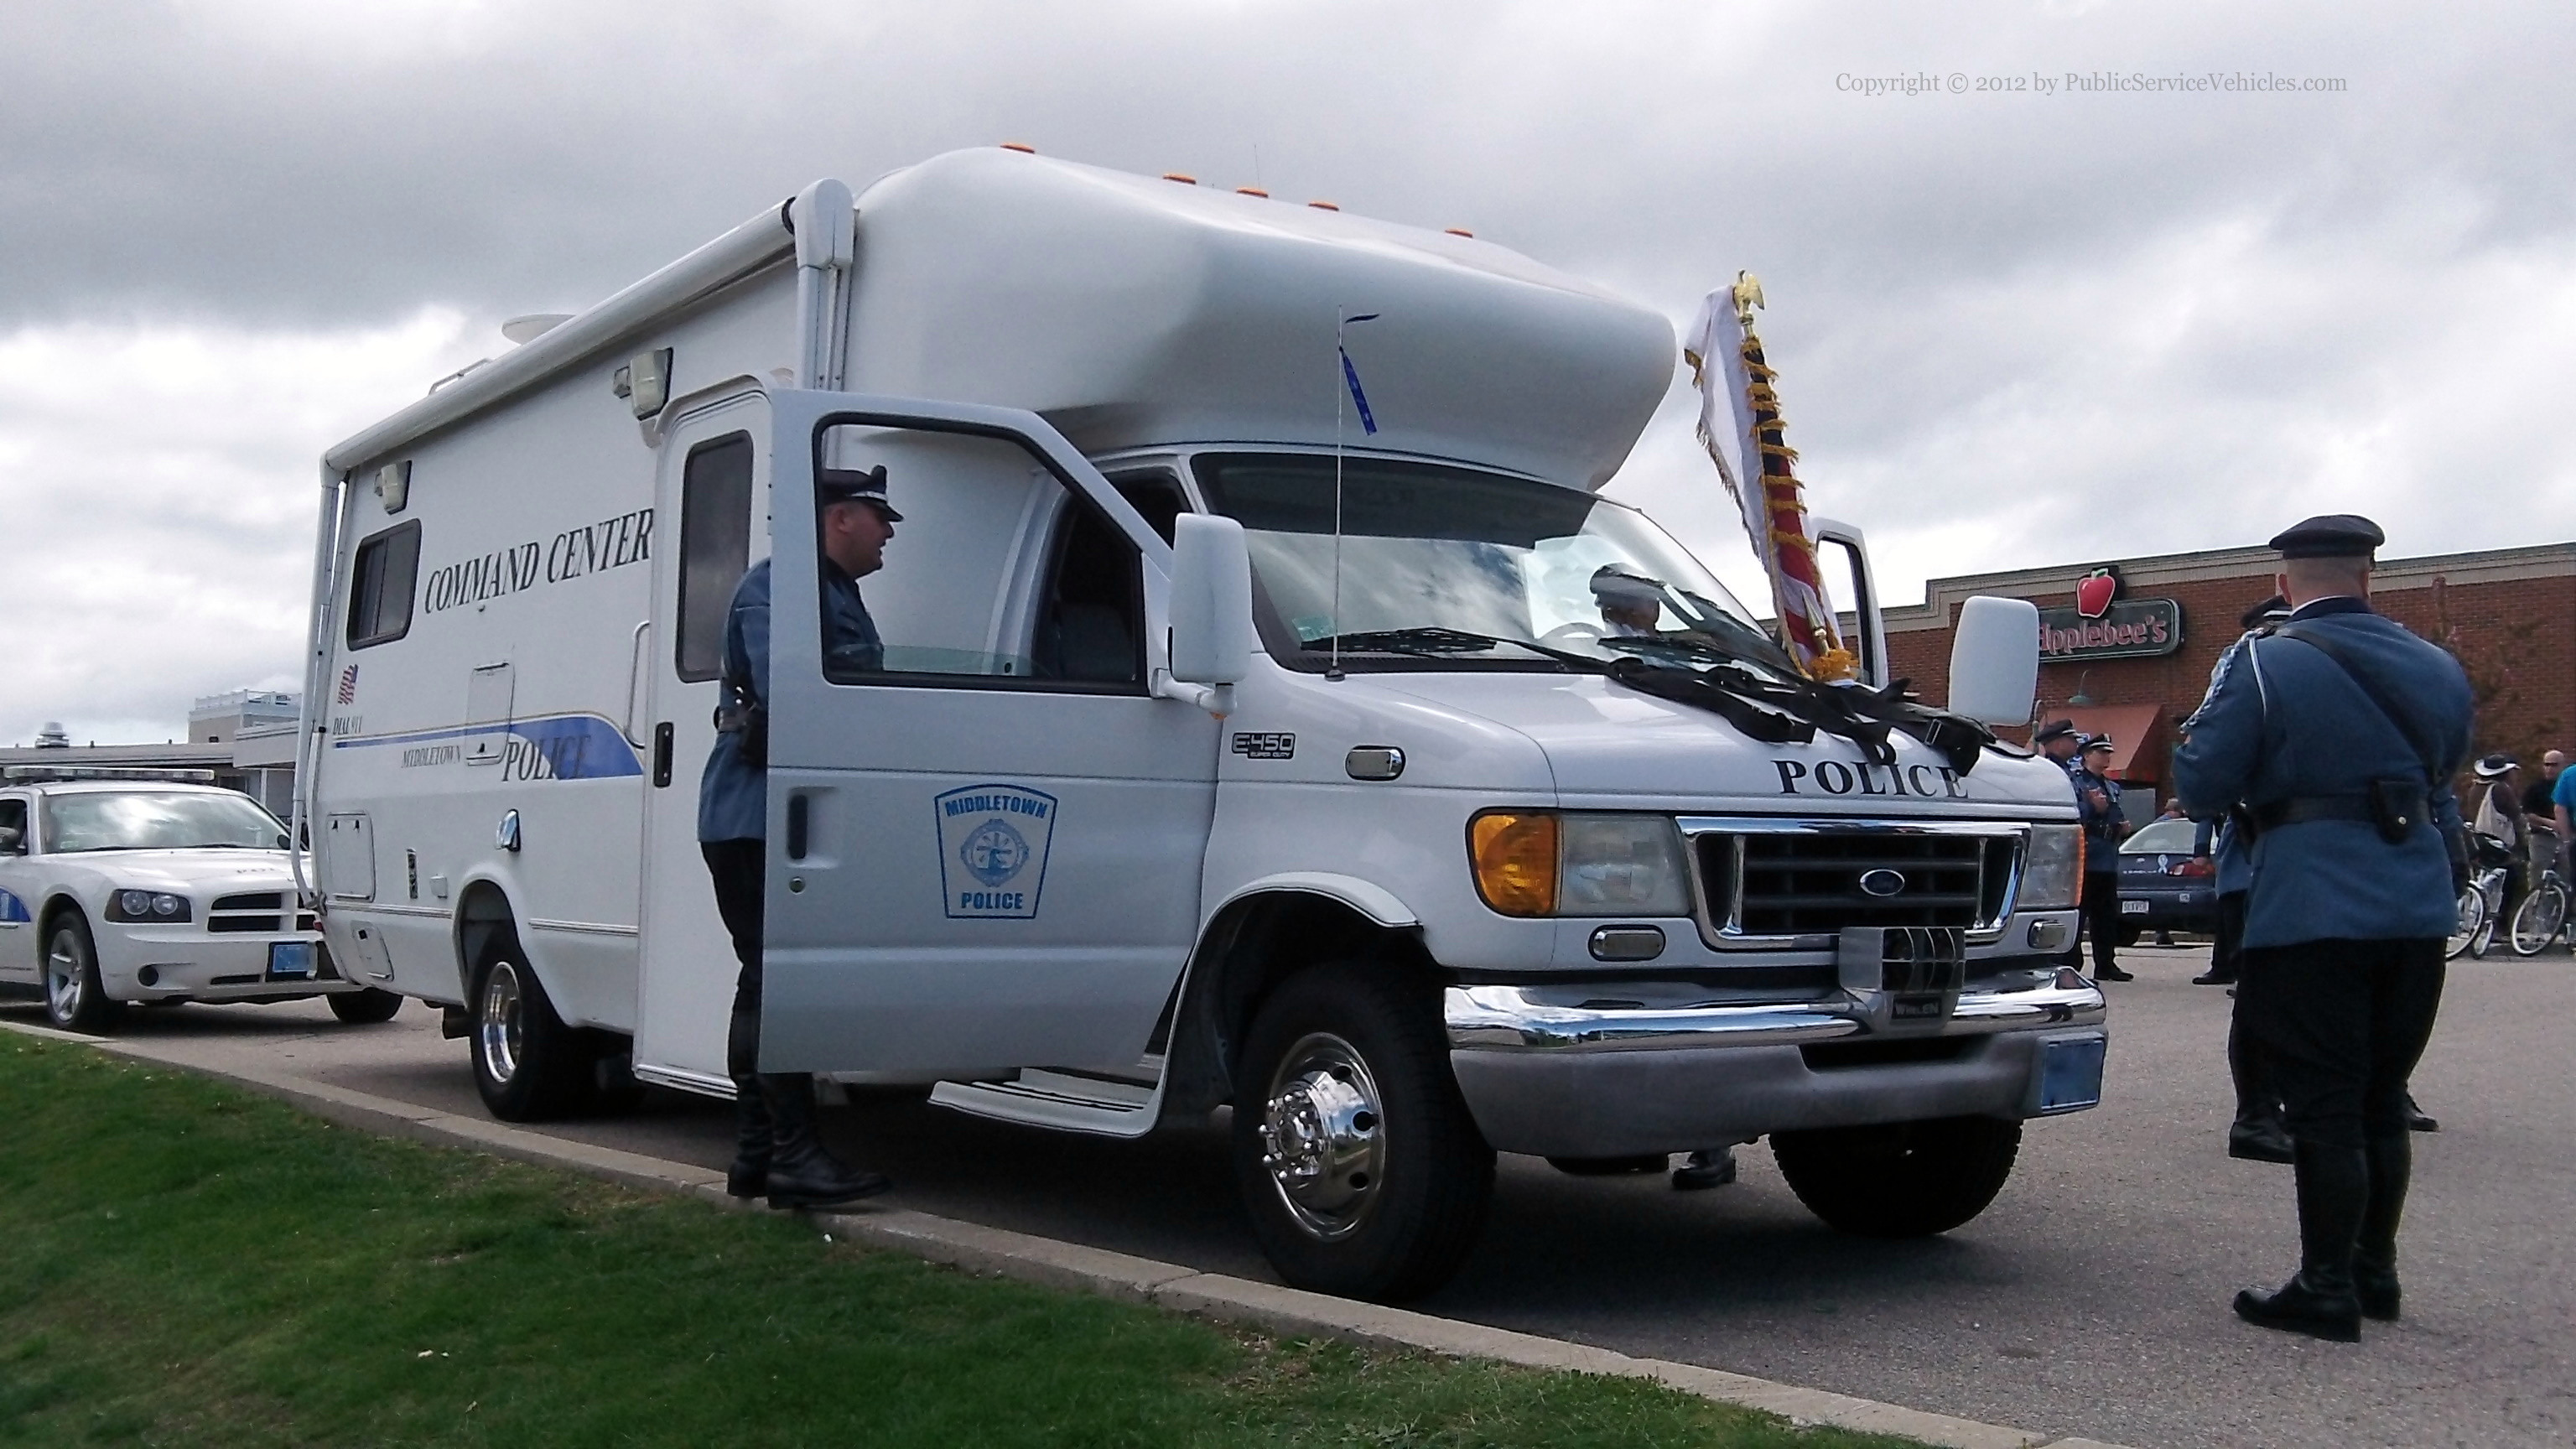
<point>2090,1299</point>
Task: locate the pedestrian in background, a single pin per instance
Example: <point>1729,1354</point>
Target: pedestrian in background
<point>2097,808</point>
<point>2337,734</point>
<point>2536,804</point>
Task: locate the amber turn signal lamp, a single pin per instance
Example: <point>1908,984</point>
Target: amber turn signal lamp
<point>1515,860</point>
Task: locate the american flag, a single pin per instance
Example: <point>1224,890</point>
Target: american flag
<point>348,685</point>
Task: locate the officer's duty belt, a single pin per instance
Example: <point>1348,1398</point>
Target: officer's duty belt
<point>2299,809</point>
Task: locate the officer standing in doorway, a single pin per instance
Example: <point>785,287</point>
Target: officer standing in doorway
<point>2097,806</point>
<point>2334,736</point>
<point>776,1150</point>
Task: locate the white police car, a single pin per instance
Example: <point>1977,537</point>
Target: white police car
<point>147,890</point>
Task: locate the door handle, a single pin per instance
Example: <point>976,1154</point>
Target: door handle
<point>799,825</point>
<point>662,755</point>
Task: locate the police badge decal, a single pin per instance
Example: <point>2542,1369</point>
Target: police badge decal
<point>993,850</point>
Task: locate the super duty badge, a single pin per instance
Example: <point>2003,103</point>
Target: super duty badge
<point>1255,745</point>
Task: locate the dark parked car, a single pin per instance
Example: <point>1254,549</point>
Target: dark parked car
<point>2162,887</point>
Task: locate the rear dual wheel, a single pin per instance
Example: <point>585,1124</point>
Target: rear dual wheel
<point>528,1065</point>
<point>1899,1179</point>
<point>1364,1174</point>
<point>365,1007</point>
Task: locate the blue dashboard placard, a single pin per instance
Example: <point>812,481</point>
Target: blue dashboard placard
<point>993,843</point>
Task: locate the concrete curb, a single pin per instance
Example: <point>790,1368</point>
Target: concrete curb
<point>1288,1312</point>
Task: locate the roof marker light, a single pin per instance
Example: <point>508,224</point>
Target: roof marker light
<point>1324,205</point>
<point>1024,150</point>
<point>1459,231</point>
<point>1252,191</point>
<point>1182,177</point>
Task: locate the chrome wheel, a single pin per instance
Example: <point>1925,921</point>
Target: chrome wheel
<point>497,1024</point>
<point>66,979</point>
<point>1323,1137</point>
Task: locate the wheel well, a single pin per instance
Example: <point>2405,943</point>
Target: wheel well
<point>484,922</point>
<point>1247,951</point>
<point>54,910</point>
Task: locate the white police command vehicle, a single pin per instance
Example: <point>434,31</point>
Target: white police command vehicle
<point>141,886</point>
<point>1232,743</point>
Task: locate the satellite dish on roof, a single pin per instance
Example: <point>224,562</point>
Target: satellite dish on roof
<point>52,737</point>
<point>533,326</point>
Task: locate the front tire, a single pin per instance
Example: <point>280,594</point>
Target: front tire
<point>528,1065</point>
<point>2539,919</point>
<point>74,1000</point>
<point>2467,923</point>
<point>1355,1155</point>
<point>365,1008</point>
<point>1901,1179</point>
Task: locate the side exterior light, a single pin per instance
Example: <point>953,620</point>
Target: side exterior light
<point>1513,854</point>
<point>1579,863</point>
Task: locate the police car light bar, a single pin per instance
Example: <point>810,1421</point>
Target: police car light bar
<point>39,773</point>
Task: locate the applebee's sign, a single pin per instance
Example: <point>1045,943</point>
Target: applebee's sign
<point>2102,625</point>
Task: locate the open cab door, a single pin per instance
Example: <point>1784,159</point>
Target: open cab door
<point>985,828</point>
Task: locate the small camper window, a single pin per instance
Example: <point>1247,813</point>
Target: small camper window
<point>715,548</point>
<point>380,585</point>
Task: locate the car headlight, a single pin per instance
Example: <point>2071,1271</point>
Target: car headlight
<point>1543,863</point>
<point>2052,869</point>
<point>157,907</point>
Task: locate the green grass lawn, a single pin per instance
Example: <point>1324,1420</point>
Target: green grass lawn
<point>185,1263</point>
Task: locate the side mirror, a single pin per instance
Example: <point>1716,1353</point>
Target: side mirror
<point>1212,635</point>
<point>1994,660</point>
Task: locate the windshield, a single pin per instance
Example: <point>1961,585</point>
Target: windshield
<point>1441,562</point>
<point>2164,837</point>
<point>156,820</point>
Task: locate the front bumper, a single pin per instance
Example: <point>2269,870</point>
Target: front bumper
<point>1608,1080</point>
<point>198,966</point>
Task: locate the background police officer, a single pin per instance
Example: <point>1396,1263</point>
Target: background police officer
<point>2336,735</point>
<point>2097,807</point>
<point>776,1150</point>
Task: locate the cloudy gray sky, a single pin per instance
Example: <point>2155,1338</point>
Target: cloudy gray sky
<point>2037,326</point>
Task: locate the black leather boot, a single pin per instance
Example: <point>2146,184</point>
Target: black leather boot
<point>801,1173</point>
<point>2334,1185</point>
<point>749,1175</point>
<point>2259,1138</point>
<point>2374,1261</point>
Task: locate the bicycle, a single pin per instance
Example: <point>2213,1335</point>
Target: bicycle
<point>2542,917</point>
<point>2473,929</point>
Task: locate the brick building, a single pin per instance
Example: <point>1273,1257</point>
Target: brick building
<point>2136,662</point>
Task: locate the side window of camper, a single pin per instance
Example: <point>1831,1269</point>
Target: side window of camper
<point>380,585</point>
<point>715,548</point>
<point>998,574</point>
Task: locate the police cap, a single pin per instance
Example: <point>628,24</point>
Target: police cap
<point>2095,742</point>
<point>1613,586</point>
<point>848,485</point>
<point>2330,535</point>
<point>2056,729</point>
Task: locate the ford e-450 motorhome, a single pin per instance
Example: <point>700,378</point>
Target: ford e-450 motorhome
<point>1227,748</point>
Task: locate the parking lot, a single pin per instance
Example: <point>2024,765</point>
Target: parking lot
<point>2090,1299</point>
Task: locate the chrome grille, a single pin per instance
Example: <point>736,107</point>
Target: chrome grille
<point>1772,881</point>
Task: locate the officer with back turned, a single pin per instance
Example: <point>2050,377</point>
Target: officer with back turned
<point>2333,737</point>
<point>776,1150</point>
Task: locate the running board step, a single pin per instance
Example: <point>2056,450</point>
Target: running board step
<point>1065,1102</point>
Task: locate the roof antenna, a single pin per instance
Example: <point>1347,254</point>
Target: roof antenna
<point>1351,380</point>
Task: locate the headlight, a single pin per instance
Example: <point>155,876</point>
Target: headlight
<point>151,906</point>
<point>2052,869</point>
<point>1540,863</point>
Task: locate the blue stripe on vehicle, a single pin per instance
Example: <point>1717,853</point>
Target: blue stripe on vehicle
<point>571,746</point>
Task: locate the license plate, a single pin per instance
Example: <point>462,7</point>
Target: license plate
<point>2133,908</point>
<point>290,960</point>
<point>2070,1073</point>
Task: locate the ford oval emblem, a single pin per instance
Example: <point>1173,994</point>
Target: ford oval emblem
<point>1882,882</point>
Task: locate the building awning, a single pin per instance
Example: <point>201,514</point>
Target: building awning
<point>2136,731</point>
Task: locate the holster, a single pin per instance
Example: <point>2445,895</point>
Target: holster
<point>747,720</point>
<point>2397,807</point>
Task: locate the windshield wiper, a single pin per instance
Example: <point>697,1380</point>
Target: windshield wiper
<point>1430,640</point>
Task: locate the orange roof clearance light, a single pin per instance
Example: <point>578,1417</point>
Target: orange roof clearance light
<point>1182,177</point>
<point>1024,150</point>
<point>1514,855</point>
<point>1252,191</point>
<point>1459,231</point>
<point>1325,205</point>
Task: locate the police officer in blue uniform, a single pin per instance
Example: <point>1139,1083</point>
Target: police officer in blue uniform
<point>2333,737</point>
<point>2097,808</point>
<point>776,1150</point>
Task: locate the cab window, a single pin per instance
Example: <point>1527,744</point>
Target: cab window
<point>13,826</point>
<point>999,574</point>
<point>380,585</point>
